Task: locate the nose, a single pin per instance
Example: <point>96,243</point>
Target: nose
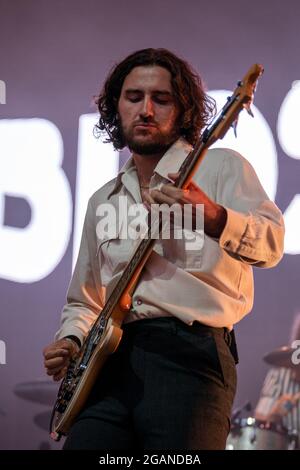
<point>147,108</point>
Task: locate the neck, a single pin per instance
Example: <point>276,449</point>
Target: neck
<point>145,165</point>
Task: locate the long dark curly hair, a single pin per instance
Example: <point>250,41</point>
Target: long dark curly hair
<point>196,108</point>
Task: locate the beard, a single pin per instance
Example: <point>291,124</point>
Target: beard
<point>152,144</point>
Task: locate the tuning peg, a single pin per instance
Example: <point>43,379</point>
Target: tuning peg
<point>249,111</point>
<point>234,126</point>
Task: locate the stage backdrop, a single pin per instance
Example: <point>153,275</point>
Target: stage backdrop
<point>54,58</point>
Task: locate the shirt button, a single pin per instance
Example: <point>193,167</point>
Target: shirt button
<point>138,301</point>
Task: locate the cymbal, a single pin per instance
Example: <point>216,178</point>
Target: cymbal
<point>39,391</point>
<point>281,357</point>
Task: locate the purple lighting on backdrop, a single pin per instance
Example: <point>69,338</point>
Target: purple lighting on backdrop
<point>53,60</point>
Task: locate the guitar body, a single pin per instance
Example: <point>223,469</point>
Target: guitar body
<point>76,387</point>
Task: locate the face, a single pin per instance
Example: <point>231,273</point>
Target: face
<point>148,111</point>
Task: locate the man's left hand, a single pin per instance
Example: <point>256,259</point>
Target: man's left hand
<point>215,216</point>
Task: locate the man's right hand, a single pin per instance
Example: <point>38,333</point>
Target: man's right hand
<point>57,357</point>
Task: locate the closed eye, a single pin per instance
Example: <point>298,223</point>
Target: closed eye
<point>159,100</point>
<point>160,97</point>
<point>134,96</point>
<point>134,99</point>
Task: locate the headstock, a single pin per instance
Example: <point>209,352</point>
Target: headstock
<point>241,98</point>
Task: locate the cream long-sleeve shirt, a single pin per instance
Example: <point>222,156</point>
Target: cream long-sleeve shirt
<point>212,283</point>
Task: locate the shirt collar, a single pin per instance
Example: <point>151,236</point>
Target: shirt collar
<point>173,158</point>
<point>128,166</point>
<point>169,163</point>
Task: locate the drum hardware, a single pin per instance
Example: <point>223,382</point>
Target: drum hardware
<point>252,434</point>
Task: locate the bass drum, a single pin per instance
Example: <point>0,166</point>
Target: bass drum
<point>251,434</point>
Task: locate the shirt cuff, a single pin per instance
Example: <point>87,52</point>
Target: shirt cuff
<point>75,339</point>
<point>70,331</point>
<point>235,228</point>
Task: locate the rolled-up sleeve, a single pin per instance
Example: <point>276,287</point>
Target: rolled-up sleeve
<point>84,300</point>
<point>254,231</point>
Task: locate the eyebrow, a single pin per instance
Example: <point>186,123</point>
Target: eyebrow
<point>157,92</point>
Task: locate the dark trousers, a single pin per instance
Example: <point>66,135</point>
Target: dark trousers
<point>168,386</point>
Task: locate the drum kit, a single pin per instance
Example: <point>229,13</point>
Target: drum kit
<point>253,434</point>
<point>250,433</point>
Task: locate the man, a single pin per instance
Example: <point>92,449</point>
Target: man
<point>172,381</point>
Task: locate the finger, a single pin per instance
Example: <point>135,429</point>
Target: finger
<point>60,344</point>
<point>176,193</point>
<point>56,370</point>
<point>57,353</point>
<point>169,189</point>
<point>149,198</point>
<point>56,362</point>
<point>162,198</point>
<point>60,374</point>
